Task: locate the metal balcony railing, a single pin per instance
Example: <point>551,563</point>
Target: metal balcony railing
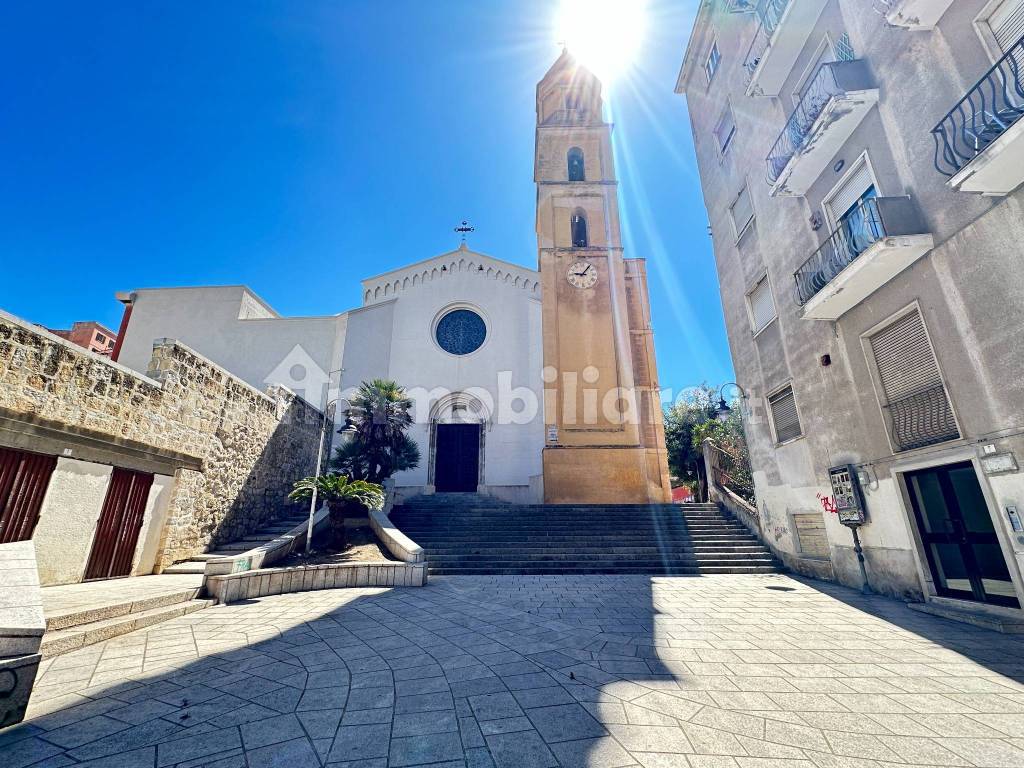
<point>861,229</point>
<point>922,418</point>
<point>769,14</point>
<point>822,88</point>
<point>994,104</point>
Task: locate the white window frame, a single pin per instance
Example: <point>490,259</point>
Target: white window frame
<point>809,70</point>
<point>876,379</point>
<point>724,150</point>
<point>771,416</point>
<point>738,231</point>
<point>984,30</point>
<point>764,278</point>
<point>711,67</point>
<point>862,160</point>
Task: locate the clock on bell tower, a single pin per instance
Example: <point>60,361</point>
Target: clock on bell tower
<point>605,442</point>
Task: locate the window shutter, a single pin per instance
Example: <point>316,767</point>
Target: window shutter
<point>725,130</point>
<point>762,306</point>
<point>849,193</point>
<point>742,211</point>
<point>915,397</point>
<point>784,415</point>
<point>1007,23</point>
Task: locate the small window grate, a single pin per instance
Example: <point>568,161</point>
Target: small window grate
<point>785,418</point>
<point>844,48</point>
<point>915,396</point>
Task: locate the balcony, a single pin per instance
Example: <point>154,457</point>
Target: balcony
<point>782,32</point>
<point>835,102</point>
<point>915,15</point>
<point>979,145</point>
<point>875,243</point>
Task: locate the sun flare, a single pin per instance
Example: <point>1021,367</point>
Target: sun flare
<point>604,35</point>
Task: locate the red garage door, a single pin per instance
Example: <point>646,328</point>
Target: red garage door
<point>117,532</point>
<point>24,478</point>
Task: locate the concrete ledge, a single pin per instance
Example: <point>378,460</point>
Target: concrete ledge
<point>398,544</point>
<point>305,578</point>
<point>265,554</point>
<point>21,628</point>
<point>1010,623</point>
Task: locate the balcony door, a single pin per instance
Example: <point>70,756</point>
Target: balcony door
<point>960,542</point>
<point>855,222</point>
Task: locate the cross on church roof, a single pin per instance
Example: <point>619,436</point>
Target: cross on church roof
<point>464,229</point>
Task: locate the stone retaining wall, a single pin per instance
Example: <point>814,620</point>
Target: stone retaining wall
<point>233,450</point>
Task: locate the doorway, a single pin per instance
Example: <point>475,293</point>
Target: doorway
<point>456,458</point>
<point>117,532</point>
<point>960,542</point>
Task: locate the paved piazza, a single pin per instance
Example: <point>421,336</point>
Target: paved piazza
<point>712,672</point>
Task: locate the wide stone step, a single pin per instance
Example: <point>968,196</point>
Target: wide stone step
<point>585,570</point>
<point>189,566</point>
<point>63,640</point>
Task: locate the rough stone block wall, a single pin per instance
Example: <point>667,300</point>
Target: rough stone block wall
<point>251,446</point>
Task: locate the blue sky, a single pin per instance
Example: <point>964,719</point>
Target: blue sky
<point>300,145</point>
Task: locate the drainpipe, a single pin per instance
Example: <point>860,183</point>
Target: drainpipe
<point>128,299</point>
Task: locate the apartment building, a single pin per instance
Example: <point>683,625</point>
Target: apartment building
<point>861,164</point>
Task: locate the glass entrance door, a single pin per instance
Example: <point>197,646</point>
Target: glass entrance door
<point>959,539</point>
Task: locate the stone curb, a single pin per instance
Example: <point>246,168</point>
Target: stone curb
<point>304,578</point>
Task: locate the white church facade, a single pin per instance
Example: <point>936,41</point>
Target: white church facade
<point>530,385</point>
<point>461,331</point>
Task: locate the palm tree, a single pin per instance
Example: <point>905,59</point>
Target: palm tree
<point>380,414</point>
<point>343,496</point>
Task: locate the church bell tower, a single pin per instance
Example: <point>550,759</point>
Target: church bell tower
<point>604,438</point>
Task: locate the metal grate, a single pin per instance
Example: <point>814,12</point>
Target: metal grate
<point>819,91</point>
<point>844,48</point>
<point>916,400</point>
<point>923,418</point>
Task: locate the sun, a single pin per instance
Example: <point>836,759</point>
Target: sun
<point>604,35</point>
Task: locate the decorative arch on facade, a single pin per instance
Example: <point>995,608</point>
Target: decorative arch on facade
<point>577,168</point>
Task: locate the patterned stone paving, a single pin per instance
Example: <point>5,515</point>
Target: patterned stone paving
<point>517,672</point>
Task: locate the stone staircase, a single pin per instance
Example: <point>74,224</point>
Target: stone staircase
<point>102,619</point>
<point>269,532</point>
<point>473,534</point>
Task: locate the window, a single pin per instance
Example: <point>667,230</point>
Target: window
<point>460,332</point>
<point>761,304</point>
<point>100,338</point>
<point>711,63</point>
<point>916,403</point>
<point>578,224</point>
<point>742,212</point>
<point>725,130</point>
<point>577,170</point>
<point>785,420</point>
<point>1006,23</point>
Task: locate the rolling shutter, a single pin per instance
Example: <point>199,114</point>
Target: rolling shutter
<point>915,397</point>
<point>1007,23</point>
<point>24,478</point>
<point>762,307</point>
<point>742,211</point>
<point>849,193</point>
<point>725,130</point>
<point>784,416</point>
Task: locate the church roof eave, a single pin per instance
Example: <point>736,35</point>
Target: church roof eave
<point>444,258</point>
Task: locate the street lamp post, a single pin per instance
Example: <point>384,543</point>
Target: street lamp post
<point>723,411</point>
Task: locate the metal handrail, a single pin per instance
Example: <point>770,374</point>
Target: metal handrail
<point>855,235</point>
<point>819,92</point>
<point>994,104</point>
<point>769,13</point>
